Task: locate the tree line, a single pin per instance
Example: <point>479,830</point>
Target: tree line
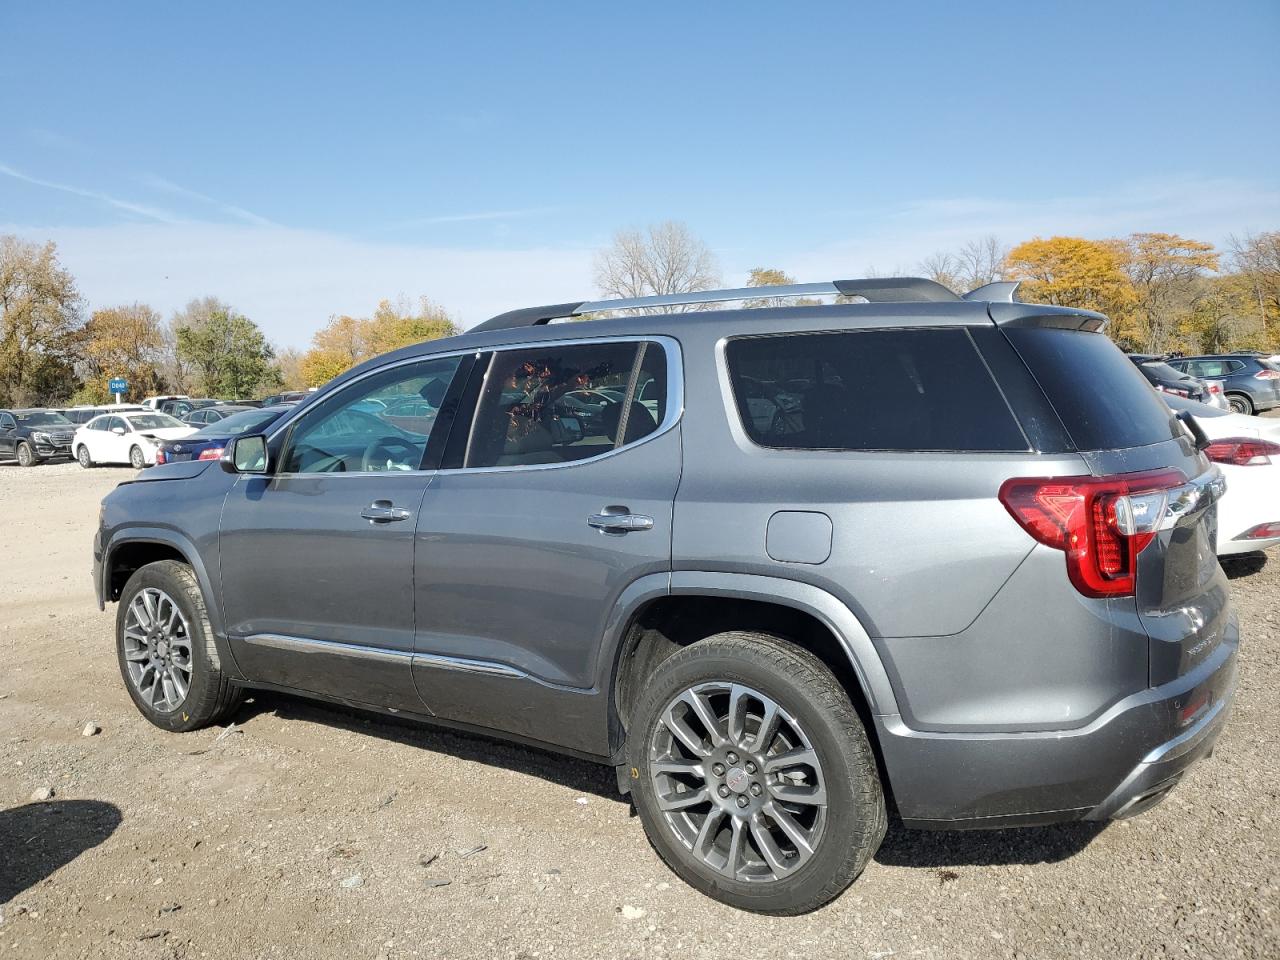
<point>1163,292</point>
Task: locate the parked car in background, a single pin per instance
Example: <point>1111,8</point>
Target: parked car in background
<point>83,414</point>
<point>1247,450</point>
<point>30,436</point>
<point>156,402</point>
<point>1168,380</point>
<point>208,442</point>
<point>1217,395</point>
<point>289,396</point>
<point>963,575</point>
<point>180,408</point>
<point>1252,383</point>
<point>131,438</point>
<point>204,416</point>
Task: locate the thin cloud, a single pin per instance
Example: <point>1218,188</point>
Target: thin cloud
<point>248,216</point>
<point>473,217</point>
<point>152,213</point>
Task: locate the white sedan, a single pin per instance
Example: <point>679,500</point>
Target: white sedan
<point>127,437</point>
<point>1247,450</point>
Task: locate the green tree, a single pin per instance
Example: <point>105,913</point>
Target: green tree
<point>231,355</point>
<point>39,322</point>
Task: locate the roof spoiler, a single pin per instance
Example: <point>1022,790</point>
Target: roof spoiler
<point>876,290</point>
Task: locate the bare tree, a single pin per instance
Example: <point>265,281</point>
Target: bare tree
<point>662,259</point>
<point>982,261</point>
<point>942,268</point>
<point>1256,256</point>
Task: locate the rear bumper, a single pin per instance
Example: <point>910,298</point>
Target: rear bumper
<point>1122,763</point>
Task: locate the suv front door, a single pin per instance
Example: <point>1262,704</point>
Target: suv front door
<point>8,436</point>
<point>523,546</point>
<point>317,557</point>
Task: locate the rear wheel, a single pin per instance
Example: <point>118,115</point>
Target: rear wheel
<point>136,459</point>
<point>1240,403</point>
<point>82,456</point>
<point>753,774</point>
<point>26,456</point>
<point>166,651</point>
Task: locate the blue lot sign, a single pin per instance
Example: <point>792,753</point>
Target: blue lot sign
<point>119,385</point>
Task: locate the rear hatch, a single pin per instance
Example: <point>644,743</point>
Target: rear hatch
<point>1122,429</point>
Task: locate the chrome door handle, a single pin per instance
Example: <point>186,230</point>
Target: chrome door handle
<point>382,511</point>
<point>620,522</point>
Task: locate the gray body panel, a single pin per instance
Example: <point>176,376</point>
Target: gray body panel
<point>996,690</point>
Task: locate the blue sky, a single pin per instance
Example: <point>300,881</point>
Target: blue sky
<point>305,159</point>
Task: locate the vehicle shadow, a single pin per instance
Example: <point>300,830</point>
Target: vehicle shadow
<point>1243,565</point>
<point>984,848</point>
<point>38,838</point>
<point>579,775</point>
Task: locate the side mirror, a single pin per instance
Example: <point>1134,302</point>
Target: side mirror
<point>247,454</point>
<point>118,431</point>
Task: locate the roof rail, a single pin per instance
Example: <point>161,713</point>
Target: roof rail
<point>878,290</point>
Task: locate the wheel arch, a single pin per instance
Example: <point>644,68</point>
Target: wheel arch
<point>133,548</point>
<point>711,601</point>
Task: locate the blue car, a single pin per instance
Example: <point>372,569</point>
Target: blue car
<point>207,444</point>
<point>1252,382</point>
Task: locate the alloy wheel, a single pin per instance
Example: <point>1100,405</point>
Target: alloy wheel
<point>157,649</point>
<point>136,459</point>
<point>738,781</point>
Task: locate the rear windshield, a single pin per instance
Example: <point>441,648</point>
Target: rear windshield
<point>154,421</point>
<point>917,389</point>
<point>1101,398</point>
<point>247,421</point>
<point>1163,370</point>
<point>42,418</point>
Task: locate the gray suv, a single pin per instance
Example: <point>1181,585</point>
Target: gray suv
<point>784,568</point>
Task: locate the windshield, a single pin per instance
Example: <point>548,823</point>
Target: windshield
<point>154,421</point>
<point>43,418</point>
<point>247,421</point>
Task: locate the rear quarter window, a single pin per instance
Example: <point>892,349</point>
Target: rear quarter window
<point>921,389</point>
<point>1102,399</point>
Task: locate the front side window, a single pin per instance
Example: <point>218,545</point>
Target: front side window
<point>382,422</point>
<point>6,422</point>
<point>913,389</point>
<point>117,423</point>
<point>558,403</point>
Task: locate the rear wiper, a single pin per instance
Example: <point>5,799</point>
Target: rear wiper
<point>1197,432</point>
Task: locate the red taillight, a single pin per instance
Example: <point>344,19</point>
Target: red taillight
<point>1215,388</point>
<point>1242,451</point>
<point>1267,375</point>
<point>1100,523</point>
<point>213,453</point>
<point>1263,531</point>
<point>160,457</point>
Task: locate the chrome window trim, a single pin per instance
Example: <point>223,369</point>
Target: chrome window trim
<point>674,409</point>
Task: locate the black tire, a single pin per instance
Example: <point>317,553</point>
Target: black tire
<point>137,459</point>
<point>1240,403</point>
<point>82,456</point>
<point>802,685</point>
<point>210,695</point>
<point>26,456</point>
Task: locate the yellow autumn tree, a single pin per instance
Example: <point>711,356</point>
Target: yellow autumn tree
<point>125,341</point>
<point>1168,275</point>
<point>346,341</point>
<point>1075,272</point>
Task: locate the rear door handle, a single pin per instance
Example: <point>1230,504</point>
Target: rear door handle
<point>620,522</point>
<point>382,511</point>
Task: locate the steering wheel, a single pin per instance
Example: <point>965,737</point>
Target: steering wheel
<point>379,453</point>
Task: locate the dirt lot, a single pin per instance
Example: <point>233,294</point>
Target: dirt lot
<point>308,832</point>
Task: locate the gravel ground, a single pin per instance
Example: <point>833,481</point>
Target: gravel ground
<point>305,831</point>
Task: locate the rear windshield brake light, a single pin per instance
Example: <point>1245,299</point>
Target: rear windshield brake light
<point>1100,523</point>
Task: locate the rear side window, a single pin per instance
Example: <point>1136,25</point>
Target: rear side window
<point>560,403</point>
<point>916,389</point>
<point>1104,402</point>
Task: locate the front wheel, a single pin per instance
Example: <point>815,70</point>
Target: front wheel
<point>166,651</point>
<point>26,456</point>
<point>1239,403</point>
<point>136,458</point>
<point>83,458</point>
<point>753,774</point>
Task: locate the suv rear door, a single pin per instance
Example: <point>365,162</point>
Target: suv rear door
<point>526,544</point>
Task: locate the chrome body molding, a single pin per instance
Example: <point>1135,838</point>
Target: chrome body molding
<point>276,641</point>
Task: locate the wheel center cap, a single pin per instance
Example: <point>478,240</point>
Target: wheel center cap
<point>162,649</point>
<point>737,780</point>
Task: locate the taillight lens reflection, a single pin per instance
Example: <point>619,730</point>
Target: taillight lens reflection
<point>1100,523</point>
<point>1242,451</point>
